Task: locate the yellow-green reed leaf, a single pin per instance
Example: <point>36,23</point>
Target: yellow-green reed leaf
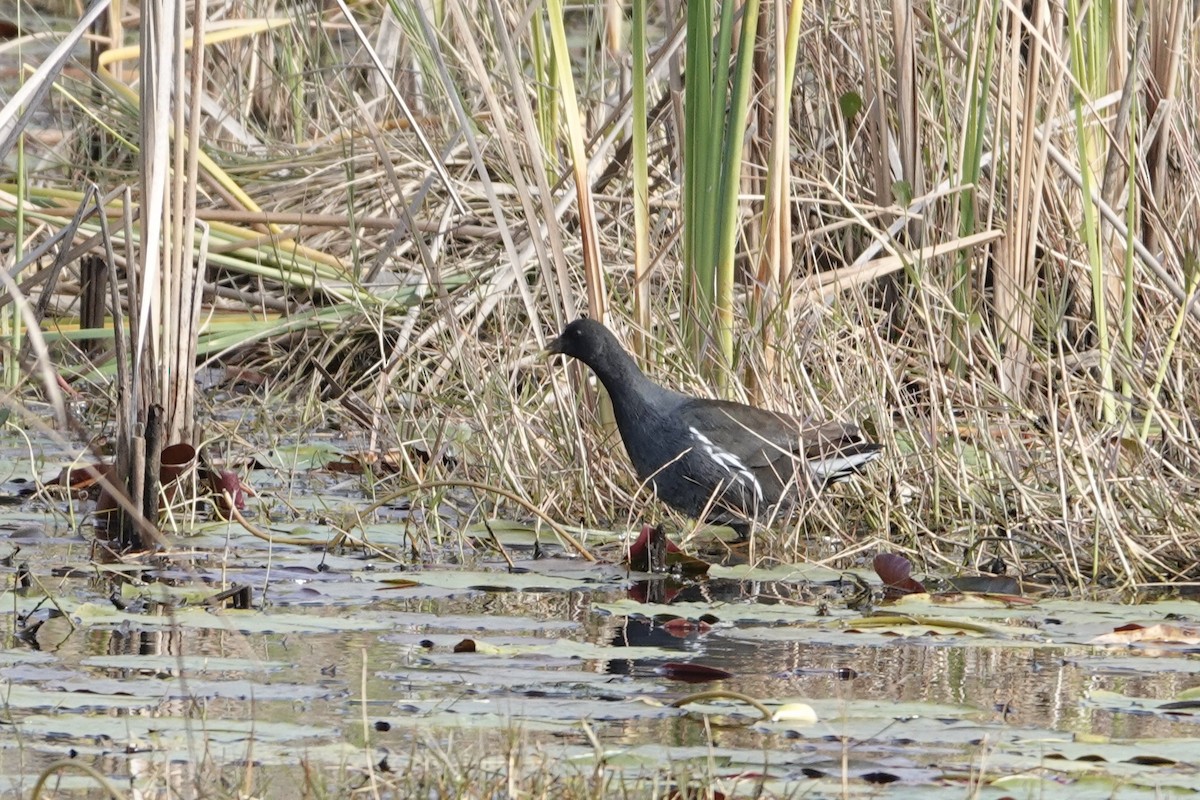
<point>214,35</point>
<point>579,160</point>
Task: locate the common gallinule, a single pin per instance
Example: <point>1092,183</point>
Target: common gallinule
<point>729,463</point>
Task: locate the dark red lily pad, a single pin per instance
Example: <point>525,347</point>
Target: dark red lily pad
<point>895,572</point>
<point>692,673</point>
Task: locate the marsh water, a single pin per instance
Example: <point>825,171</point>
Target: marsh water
<point>387,653</point>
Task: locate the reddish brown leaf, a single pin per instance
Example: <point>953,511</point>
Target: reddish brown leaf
<point>222,482</point>
<point>654,552</point>
<point>656,591</point>
<point>176,460</point>
<point>895,572</point>
<point>648,553</point>
<point>685,627</point>
<point>85,476</point>
<point>245,375</point>
<point>692,673</point>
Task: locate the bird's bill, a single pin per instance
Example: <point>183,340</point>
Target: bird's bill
<point>555,346</point>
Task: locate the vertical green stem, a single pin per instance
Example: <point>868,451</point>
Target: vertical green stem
<point>641,186</point>
<point>1085,63</point>
<point>731,176</point>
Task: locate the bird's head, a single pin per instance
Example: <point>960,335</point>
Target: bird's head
<point>584,339</point>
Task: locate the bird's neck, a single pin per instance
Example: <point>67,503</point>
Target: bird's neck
<point>622,378</point>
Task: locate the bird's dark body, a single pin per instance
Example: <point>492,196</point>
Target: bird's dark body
<point>728,463</point>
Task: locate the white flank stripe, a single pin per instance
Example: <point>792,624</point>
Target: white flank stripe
<point>730,462</point>
<point>835,467</point>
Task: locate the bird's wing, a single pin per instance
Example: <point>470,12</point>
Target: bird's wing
<point>765,439</point>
